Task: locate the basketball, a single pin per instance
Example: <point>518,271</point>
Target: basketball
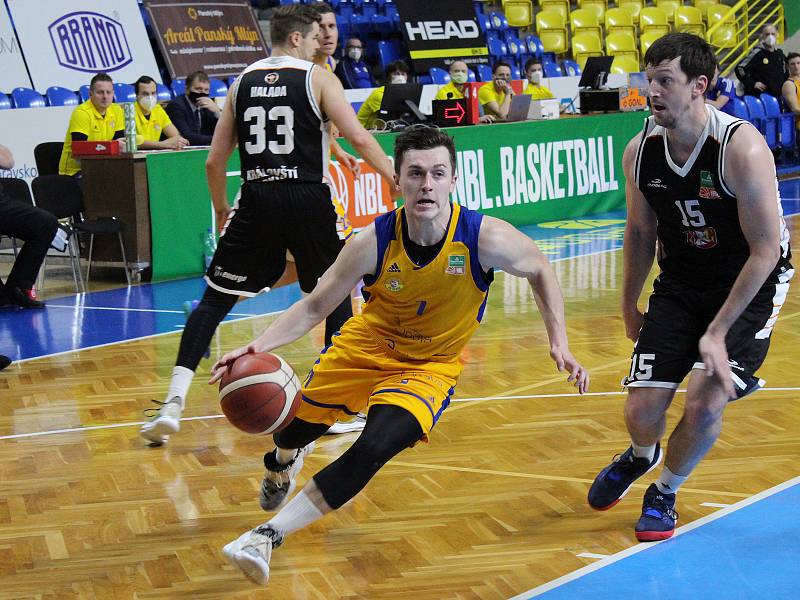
<point>259,393</point>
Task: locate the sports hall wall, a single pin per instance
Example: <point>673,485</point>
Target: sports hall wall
<point>791,14</point>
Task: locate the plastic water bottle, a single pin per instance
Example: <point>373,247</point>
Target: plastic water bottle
<point>209,247</point>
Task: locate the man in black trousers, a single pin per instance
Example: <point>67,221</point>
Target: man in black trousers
<point>34,225</point>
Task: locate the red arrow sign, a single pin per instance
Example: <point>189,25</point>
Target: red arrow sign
<point>457,113</point>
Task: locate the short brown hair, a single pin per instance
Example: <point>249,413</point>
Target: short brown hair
<point>422,137</point>
<point>100,77</point>
<point>290,18</point>
<point>196,76</point>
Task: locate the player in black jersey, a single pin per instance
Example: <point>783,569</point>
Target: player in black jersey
<point>701,189</point>
<point>279,112</point>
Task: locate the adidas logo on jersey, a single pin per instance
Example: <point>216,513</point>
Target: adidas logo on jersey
<point>393,269</point>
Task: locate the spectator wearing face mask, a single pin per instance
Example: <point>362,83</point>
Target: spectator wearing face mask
<point>534,71</point>
<point>352,71</point>
<point>764,69</point>
<point>396,73</point>
<point>458,77</point>
<point>495,95</point>
<point>154,130</point>
<point>195,114</point>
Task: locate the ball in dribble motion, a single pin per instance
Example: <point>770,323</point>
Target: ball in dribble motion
<point>259,393</point>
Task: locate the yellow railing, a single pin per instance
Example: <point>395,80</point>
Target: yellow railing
<point>736,31</point>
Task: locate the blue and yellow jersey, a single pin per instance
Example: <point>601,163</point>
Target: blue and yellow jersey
<point>426,312</point>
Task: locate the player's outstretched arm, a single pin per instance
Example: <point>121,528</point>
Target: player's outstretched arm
<point>639,246</point>
<point>336,106</point>
<point>749,171</point>
<point>502,246</point>
<point>222,146</point>
<point>357,258</point>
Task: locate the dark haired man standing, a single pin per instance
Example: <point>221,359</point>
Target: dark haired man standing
<point>701,184</point>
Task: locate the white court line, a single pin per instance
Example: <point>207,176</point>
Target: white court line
<point>610,560</point>
<point>144,310</point>
<point>218,416</point>
<point>591,555</point>
<point>714,504</point>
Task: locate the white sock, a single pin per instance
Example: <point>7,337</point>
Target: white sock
<point>283,456</point>
<point>179,385</point>
<point>647,452</point>
<point>298,513</point>
<point>668,482</point>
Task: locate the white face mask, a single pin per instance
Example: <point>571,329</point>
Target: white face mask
<point>148,102</point>
<point>398,78</point>
<point>536,77</point>
<point>458,77</point>
<point>354,53</point>
<point>770,40</point>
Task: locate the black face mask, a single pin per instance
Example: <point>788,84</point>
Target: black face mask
<point>195,96</point>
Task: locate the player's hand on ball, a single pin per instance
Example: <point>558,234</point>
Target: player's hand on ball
<point>577,373</point>
<point>219,367</point>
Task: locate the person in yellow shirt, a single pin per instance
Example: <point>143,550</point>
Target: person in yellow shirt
<point>458,77</point>
<point>396,72</point>
<point>534,71</point>
<point>791,87</point>
<point>495,95</point>
<point>154,129</point>
<point>97,119</point>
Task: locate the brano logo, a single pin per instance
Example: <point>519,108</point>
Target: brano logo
<point>90,42</point>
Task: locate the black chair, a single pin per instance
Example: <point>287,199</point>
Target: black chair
<point>62,196</point>
<point>47,156</point>
<point>14,189</point>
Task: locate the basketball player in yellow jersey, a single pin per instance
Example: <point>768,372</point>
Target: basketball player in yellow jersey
<point>427,268</point>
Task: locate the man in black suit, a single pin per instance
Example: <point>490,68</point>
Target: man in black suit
<point>195,114</point>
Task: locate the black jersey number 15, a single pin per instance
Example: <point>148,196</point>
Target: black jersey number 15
<point>257,117</point>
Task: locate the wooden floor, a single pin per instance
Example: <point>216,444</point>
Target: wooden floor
<point>493,506</point>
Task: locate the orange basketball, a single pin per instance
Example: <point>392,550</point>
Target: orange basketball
<point>259,393</point>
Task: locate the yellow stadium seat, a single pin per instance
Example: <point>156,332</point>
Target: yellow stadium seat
<point>703,6</point>
<point>584,45</point>
<point>653,19</point>
<point>668,6</point>
<point>599,7</point>
<point>552,30</point>
<point>690,20</point>
<point>632,6</point>
<point>725,35</point>
<point>646,40</point>
<point>619,19</point>
<point>620,42</point>
<point>625,64</point>
<point>559,6</point>
<point>518,12</point>
<point>584,19</point>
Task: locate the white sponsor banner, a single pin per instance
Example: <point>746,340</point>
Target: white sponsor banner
<point>23,128</point>
<point>66,42</point>
<point>12,68</point>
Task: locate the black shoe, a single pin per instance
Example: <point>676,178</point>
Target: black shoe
<point>4,362</point>
<point>613,482</point>
<point>658,516</point>
<point>23,298</point>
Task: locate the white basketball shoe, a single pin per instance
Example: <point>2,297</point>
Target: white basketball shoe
<point>280,480</point>
<point>251,552</point>
<point>166,421</point>
<point>356,424</point>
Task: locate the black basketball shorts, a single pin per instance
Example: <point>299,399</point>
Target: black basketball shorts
<point>678,316</point>
<point>267,220</point>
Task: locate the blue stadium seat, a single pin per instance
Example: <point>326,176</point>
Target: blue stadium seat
<point>439,76</point>
<point>218,88</point>
<point>162,93</point>
<point>497,47</point>
<point>391,12</point>
<point>178,87</point>
<point>59,96</point>
<point>484,72</point>
<point>83,92</point>
<point>124,92</point>
<point>360,26</point>
<point>498,20</point>
<point>534,45</point>
<point>570,67</point>
<point>388,52</point>
<point>552,69</point>
<point>471,75</point>
<point>369,9</point>
<point>5,102</point>
<point>515,72</point>
<point>782,122</point>
<point>27,98</point>
<point>737,108</point>
<point>756,113</point>
<point>424,79</point>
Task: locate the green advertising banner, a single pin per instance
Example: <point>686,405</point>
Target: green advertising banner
<point>525,173</point>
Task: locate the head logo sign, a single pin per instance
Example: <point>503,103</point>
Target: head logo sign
<point>364,197</point>
<point>90,42</point>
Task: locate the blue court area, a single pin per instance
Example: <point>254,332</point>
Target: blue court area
<point>750,553</point>
<point>83,321</point>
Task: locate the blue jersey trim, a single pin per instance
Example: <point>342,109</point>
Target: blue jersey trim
<point>467,230</point>
<point>341,407</point>
<point>445,404</point>
<point>399,391</point>
<point>384,232</point>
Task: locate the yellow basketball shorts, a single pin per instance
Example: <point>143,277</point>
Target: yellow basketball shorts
<point>344,229</point>
<point>355,373</point>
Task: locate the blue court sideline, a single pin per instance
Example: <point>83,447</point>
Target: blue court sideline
<point>75,322</point>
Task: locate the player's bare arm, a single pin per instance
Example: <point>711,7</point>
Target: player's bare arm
<point>747,158</point>
<point>789,93</point>
<point>222,145</point>
<point>358,258</point>
<point>502,246</point>
<point>330,93</point>
<point>640,243</point>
